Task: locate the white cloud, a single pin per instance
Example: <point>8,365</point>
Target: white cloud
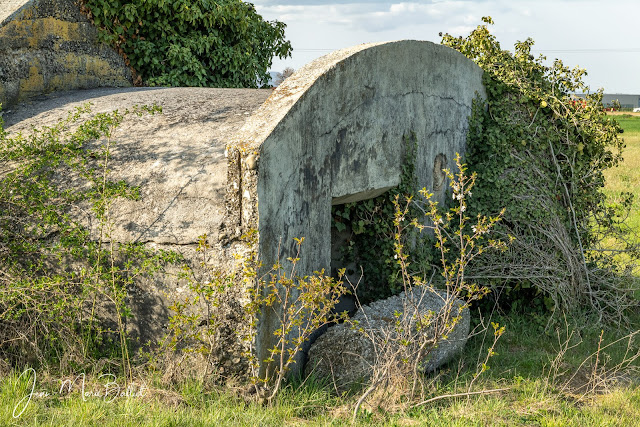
<point>568,27</point>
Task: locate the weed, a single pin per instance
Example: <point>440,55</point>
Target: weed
<point>60,281</point>
<point>402,349</point>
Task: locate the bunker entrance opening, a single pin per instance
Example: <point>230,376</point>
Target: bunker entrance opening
<point>362,242</point>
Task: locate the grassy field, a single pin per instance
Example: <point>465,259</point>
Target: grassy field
<point>544,387</point>
<point>626,177</point>
<point>553,376</point>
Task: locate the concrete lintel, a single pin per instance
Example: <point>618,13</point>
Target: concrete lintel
<point>363,195</point>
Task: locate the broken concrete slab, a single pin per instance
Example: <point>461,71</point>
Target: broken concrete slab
<point>347,353</point>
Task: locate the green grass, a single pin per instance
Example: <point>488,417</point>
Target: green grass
<point>626,177</point>
<point>524,364</point>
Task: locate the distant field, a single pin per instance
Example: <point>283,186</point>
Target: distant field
<point>629,121</point>
<point>626,177</point>
<point>623,113</point>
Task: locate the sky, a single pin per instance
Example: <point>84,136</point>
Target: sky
<point>602,37</point>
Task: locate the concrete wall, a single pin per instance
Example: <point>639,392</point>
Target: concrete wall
<point>177,159</point>
<point>333,132</point>
<point>49,45</point>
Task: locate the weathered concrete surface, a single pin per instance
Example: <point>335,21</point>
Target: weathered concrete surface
<point>177,159</point>
<point>334,132</point>
<point>49,45</point>
<point>347,356</point>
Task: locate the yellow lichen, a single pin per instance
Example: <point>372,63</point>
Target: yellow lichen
<point>76,70</point>
<point>86,64</point>
<point>33,83</point>
<point>35,31</point>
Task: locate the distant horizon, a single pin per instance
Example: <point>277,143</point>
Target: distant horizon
<point>607,48</point>
<point>273,73</point>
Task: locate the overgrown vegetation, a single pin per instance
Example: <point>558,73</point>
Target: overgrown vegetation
<point>60,279</point>
<point>303,304</point>
<point>403,350</point>
<point>212,321</point>
<point>542,370</point>
<point>191,42</point>
<point>542,156</point>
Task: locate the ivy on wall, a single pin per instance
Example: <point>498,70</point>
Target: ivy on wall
<point>540,153</point>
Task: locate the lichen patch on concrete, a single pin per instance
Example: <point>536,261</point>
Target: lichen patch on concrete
<point>48,46</point>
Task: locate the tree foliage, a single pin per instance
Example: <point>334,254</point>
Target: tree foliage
<point>285,74</point>
<point>222,43</point>
<point>540,152</point>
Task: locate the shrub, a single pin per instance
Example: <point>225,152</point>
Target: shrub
<point>191,42</point>
<point>63,291</point>
<point>302,304</point>
<point>403,348</point>
<point>541,154</point>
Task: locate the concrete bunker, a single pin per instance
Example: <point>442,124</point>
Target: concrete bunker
<point>333,133</point>
<point>224,162</point>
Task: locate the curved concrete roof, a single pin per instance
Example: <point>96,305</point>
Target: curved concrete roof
<point>422,54</point>
<point>177,158</point>
<point>287,94</point>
